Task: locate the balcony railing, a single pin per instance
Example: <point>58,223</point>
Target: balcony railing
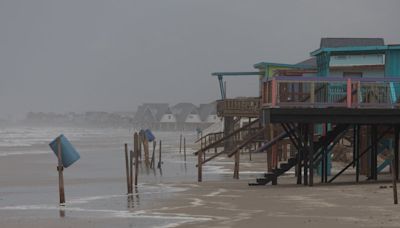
<point>326,92</point>
<point>241,107</point>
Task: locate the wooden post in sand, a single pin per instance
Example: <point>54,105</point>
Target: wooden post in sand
<point>127,169</point>
<point>180,143</point>
<point>200,166</point>
<point>60,169</point>
<point>136,148</point>
<point>131,171</point>
<point>159,156</point>
<point>152,162</point>
<point>146,151</point>
<point>236,167</point>
<point>184,149</point>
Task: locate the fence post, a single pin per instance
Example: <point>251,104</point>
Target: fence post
<point>348,92</point>
<point>312,93</point>
<point>273,91</point>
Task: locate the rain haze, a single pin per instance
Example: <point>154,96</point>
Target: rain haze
<point>96,55</point>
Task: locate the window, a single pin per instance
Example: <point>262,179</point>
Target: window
<point>352,74</point>
<point>341,57</point>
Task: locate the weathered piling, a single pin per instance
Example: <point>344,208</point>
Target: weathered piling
<point>159,155</point>
<point>236,167</point>
<point>127,169</point>
<point>131,170</point>
<point>146,150</point>
<point>180,143</point>
<point>60,169</point>
<point>200,166</point>
<point>136,144</point>
<point>152,162</point>
<point>184,149</point>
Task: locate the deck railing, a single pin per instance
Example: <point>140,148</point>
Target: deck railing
<point>240,107</point>
<point>325,92</point>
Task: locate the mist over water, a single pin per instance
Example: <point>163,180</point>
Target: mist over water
<point>98,55</point>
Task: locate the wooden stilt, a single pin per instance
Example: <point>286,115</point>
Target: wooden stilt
<point>304,138</point>
<point>394,184</point>
<point>357,150</point>
<point>311,154</point>
<point>396,151</point>
<point>374,154</point>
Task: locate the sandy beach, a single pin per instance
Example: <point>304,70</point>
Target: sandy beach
<point>96,190</point>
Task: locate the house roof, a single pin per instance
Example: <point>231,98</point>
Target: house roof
<point>357,50</point>
<point>182,110</point>
<point>156,110</point>
<point>207,109</point>
<point>350,42</point>
<point>309,62</point>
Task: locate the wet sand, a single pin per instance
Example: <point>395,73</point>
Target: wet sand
<point>95,191</point>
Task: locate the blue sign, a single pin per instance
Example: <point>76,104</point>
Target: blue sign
<point>68,153</point>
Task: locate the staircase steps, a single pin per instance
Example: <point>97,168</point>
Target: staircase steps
<point>291,162</point>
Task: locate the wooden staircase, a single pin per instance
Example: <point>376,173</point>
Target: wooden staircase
<point>331,137</point>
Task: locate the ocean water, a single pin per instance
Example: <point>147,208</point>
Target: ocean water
<point>96,184</point>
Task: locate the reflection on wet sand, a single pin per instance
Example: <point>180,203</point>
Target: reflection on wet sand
<point>133,199</point>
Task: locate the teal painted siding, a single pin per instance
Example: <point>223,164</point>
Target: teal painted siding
<point>392,63</point>
<point>357,60</point>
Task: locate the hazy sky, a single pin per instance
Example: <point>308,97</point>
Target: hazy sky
<point>79,55</point>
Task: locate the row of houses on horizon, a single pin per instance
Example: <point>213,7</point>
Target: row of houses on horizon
<point>182,116</point>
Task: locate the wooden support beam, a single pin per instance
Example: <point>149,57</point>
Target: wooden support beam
<point>360,156</point>
<point>304,138</point>
<point>311,153</point>
<point>357,150</point>
<point>396,151</point>
<point>374,154</point>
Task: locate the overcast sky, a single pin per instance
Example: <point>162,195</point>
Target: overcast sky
<point>80,55</point>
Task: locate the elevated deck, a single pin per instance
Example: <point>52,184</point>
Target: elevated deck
<point>334,100</point>
<point>239,107</point>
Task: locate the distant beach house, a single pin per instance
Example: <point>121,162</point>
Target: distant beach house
<point>182,116</point>
<point>148,115</point>
<point>208,113</point>
<point>168,121</point>
<point>188,117</point>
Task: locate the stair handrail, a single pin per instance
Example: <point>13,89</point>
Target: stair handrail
<point>226,137</point>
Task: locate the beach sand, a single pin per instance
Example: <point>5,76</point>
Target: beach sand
<point>96,192</point>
